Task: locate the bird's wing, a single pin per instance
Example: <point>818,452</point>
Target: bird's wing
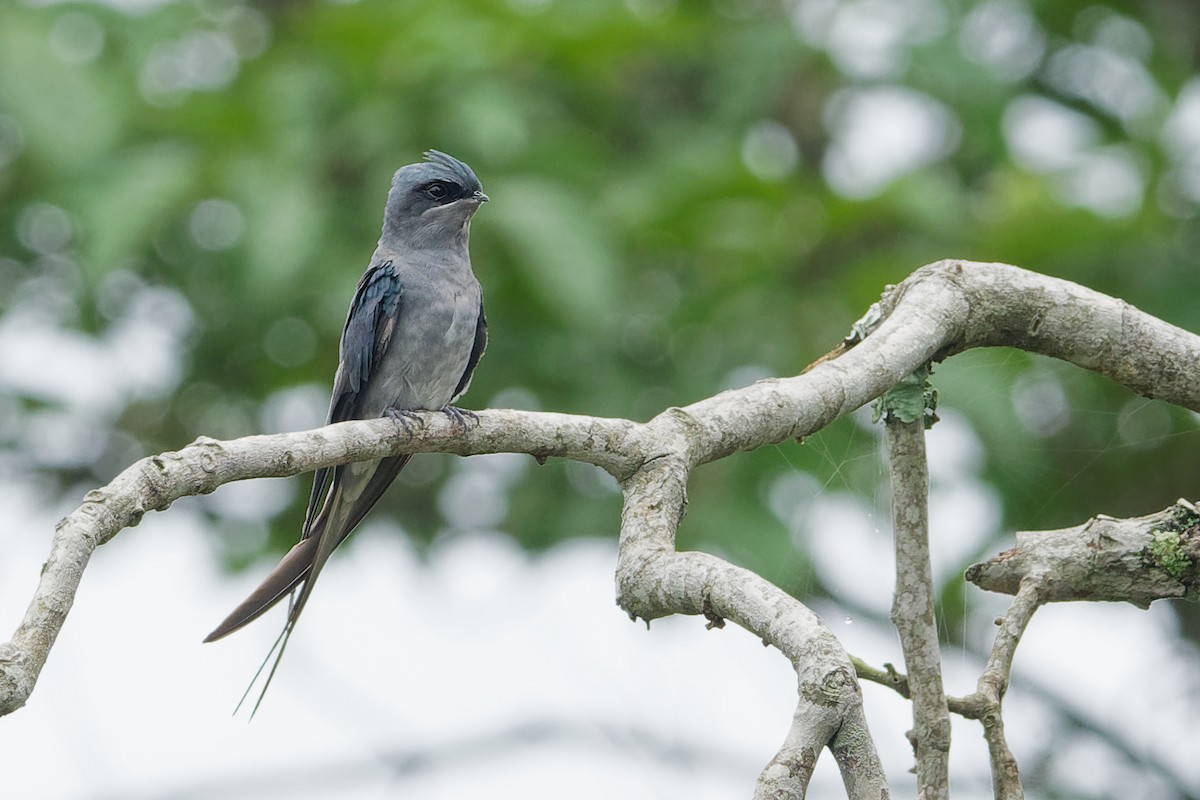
<point>332,514</point>
<point>476,353</point>
<point>368,331</point>
<point>365,338</point>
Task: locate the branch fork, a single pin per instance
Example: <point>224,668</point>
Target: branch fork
<point>941,309</point>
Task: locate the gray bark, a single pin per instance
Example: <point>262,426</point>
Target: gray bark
<point>940,310</point>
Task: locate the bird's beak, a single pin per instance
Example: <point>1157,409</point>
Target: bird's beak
<point>480,197</point>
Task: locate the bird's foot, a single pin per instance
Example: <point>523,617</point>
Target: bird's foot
<point>460,418</point>
<point>405,418</point>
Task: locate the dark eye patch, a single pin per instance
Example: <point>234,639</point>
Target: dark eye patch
<point>442,191</point>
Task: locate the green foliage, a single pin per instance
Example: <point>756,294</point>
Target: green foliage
<point>673,214</point>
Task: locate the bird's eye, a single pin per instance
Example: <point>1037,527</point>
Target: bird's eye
<point>436,191</point>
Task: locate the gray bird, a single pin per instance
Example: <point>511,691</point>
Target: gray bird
<point>413,336</point>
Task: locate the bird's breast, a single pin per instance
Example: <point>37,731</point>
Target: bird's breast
<point>429,348</point>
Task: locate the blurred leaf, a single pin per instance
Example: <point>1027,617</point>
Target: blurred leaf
<point>561,249</point>
<point>70,114</point>
<point>129,196</point>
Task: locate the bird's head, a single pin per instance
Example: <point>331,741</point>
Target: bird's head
<point>431,203</point>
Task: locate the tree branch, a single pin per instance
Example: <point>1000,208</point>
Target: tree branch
<point>941,309</point>
<point>1133,560</point>
<point>986,702</point>
<point>1136,560</point>
<point>654,580</point>
<point>153,483</point>
<point>913,605</point>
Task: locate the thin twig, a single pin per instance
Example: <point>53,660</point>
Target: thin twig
<point>993,684</point>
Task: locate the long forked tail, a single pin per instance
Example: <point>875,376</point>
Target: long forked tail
<point>291,572</point>
<point>348,499</point>
<point>276,651</point>
<point>286,576</point>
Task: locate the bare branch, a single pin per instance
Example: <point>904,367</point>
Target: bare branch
<point>986,703</point>
<point>152,484</point>
<point>654,580</point>
<point>941,309</point>
<point>995,305</point>
<point>1136,560</point>
<point>913,605</point>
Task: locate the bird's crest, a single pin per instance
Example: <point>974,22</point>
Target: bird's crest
<point>466,176</point>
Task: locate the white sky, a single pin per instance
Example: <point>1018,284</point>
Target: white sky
<point>395,656</point>
<point>391,656</point>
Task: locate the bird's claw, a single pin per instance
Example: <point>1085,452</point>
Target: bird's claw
<point>459,418</point>
<point>405,418</point>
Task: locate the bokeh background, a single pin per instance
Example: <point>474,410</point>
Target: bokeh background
<point>687,196</point>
